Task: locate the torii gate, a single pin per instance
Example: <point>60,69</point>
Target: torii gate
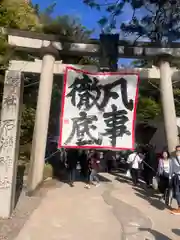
<point>51,47</point>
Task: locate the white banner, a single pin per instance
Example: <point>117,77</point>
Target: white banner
<point>98,110</point>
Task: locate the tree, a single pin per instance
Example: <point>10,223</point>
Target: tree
<point>68,28</point>
<point>71,30</point>
<point>150,20</point>
<point>149,102</point>
<point>158,21</point>
<point>65,27</point>
<point>153,89</point>
<point>147,109</point>
<point>18,15</point>
<point>27,124</point>
<point>155,20</point>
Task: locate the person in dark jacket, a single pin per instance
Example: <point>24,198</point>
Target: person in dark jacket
<point>150,165</point>
<point>72,157</point>
<point>109,158</point>
<point>83,160</point>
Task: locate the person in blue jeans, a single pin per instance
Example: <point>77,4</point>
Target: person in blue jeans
<point>94,162</point>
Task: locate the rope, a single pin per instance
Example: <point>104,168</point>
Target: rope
<point>153,85</point>
<point>51,155</point>
<point>148,166</point>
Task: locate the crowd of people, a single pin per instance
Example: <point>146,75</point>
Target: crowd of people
<point>90,161</point>
<point>165,169</point>
<point>143,163</point>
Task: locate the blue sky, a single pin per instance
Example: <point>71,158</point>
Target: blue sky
<point>88,17</point>
<point>76,8</point>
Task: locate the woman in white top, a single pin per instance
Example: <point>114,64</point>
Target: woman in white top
<point>134,160</point>
<point>164,171</point>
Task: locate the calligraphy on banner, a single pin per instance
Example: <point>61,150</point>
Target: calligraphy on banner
<point>98,110</point>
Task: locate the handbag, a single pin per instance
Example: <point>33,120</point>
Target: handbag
<point>128,173</point>
<point>155,183</point>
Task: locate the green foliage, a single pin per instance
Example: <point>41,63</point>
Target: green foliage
<point>176,91</point>
<point>27,124</point>
<point>18,15</point>
<point>5,52</point>
<point>64,26</point>
<point>55,104</point>
<point>149,106</point>
<point>68,27</point>
<point>113,10</point>
<point>156,20</point>
<point>147,109</point>
<point>92,4</point>
<point>154,91</point>
<point>153,20</point>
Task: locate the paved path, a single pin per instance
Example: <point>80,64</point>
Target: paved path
<point>112,211</point>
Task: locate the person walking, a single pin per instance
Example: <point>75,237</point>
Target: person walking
<point>109,158</point>
<point>72,157</point>
<point>83,160</point>
<point>134,160</point>
<point>150,165</point>
<point>174,178</point>
<point>94,162</point>
<point>163,172</point>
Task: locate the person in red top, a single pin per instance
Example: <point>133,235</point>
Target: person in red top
<point>94,161</point>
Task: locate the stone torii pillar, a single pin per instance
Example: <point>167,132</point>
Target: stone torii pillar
<point>168,105</point>
<point>36,169</point>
